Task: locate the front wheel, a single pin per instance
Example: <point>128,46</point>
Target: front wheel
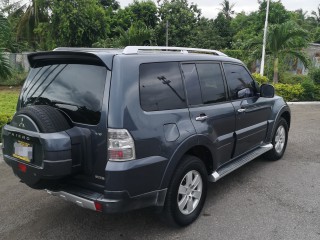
<point>187,192</point>
<point>279,141</point>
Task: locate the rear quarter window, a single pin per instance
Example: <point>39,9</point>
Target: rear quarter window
<point>161,86</point>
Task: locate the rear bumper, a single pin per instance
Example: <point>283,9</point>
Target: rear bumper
<point>97,202</point>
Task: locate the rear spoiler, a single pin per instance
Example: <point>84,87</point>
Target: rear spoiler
<point>41,59</point>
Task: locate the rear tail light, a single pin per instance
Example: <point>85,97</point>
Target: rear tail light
<point>98,206</point>
<point>120,145</point>
<point>22,167</point>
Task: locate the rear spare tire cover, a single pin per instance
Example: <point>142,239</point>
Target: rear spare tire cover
<point>43,119</point>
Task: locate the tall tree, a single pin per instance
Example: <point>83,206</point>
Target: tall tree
<point>223,26</point>
<point>78,23</point>
<point>182,19</point>
<point>5,69</point>
<point>285,39</point>
<point>316,14</point>
<point>31,13</point>
<point>227,9</point>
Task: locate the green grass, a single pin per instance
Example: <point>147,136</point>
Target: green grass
<point>8,102</point>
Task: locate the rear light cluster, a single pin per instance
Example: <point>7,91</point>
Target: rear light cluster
<point>120,145</point>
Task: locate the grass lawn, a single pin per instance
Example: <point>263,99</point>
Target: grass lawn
<point>8,100</point>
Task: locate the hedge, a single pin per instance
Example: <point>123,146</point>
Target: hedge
<point>289,92</point>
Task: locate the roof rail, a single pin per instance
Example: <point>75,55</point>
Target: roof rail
<point>136,49</point>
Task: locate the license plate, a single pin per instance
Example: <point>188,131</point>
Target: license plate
<point>23,151</point>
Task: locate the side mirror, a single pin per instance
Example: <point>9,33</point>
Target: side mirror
<point>243,93</point>
<point>266,91</point>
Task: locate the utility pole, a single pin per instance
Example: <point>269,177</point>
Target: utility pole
<point>167,33</point>
<point>264,40</point>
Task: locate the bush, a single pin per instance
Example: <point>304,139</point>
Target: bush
<point>315,75</point>
<point>309,90</point>
<point>4,119</point>
<point>290,78</point>
<point>290,92</point>
<point>16,79</point>
<point>260,79</point>
<point>8,102</point>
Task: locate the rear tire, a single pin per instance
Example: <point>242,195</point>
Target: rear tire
<point>279,141</point>
<point>187,192</point>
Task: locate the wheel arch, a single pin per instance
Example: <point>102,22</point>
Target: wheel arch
<point>282,112</point>
<point>196,145</point>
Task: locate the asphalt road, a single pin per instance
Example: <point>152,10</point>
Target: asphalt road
<point>262,200</point>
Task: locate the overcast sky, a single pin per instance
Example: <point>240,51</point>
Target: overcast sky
<point>210,8</point>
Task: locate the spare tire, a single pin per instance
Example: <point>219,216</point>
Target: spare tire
<point>46,119</point>
<point>42,119</point>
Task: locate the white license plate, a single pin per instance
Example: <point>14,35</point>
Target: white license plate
<point>22,151</point>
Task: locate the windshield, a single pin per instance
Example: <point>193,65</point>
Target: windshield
<point>75,89</point>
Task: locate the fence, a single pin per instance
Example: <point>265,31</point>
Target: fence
<point>19,61</point>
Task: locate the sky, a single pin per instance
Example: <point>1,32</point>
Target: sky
<point>210,8</point>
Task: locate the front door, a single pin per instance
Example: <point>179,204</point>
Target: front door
<point>252,112</point>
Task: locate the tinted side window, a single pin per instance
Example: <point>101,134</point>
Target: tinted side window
<point>238,78</point>
<point>211,82</point>
<point>161,87</point>
<point>192,83</point>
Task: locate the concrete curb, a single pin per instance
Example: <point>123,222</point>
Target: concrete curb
<point>303,103</point>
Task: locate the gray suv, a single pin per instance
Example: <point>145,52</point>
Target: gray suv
<point>115,130</point>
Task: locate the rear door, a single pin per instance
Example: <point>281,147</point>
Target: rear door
<point>252,112</point>
<point>210,112</point>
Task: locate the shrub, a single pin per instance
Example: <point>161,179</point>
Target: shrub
<point>290,78</point>
<point>309,90</point>
<point>16,79</point>
<point>289,92</point>
<point>8,102</point>
<point>315,75</point>
<point>4,119</point>
<point>259,78</point>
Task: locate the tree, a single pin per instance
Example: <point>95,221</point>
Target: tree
<point>5,69</point>
<point>285,39</point>
<point>113,4</point>
<point>182,19</point>
<point>209,35</point>
<point>78,23</point>
<point>138,34</point>
<point>316,15</point>
<point>29,14</point>
<point>227,9</point>
<point>145,11</point>
<point>223,26</point>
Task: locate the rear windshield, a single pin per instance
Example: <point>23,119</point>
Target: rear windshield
<point>75,89</point>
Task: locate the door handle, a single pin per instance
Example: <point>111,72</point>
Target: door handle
<point>201,117</point>
<point>241,110</point>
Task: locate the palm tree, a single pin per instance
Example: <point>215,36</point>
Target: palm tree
<point>227,9</point>
<point>316,15</point>
<point>33,13</point>
<point>285,39</point>
<point>137,34</point>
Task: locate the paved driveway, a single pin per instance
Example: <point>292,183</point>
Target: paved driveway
<point>262,200</point>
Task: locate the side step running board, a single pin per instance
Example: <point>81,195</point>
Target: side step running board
<point>230,167</point>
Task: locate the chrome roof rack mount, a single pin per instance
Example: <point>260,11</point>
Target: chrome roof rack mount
<point>137,49</point>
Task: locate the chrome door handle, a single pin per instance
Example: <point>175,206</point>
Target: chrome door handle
<point>241,110</point>
<point>201,118</point>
